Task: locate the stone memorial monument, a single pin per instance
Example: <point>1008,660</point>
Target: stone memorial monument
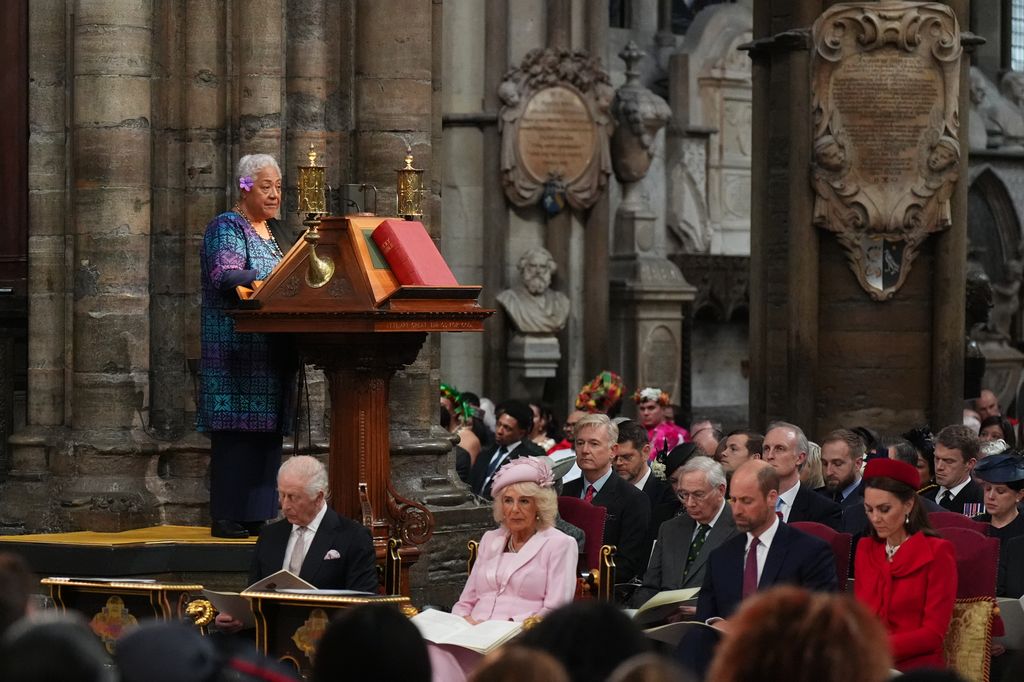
<point>885,88</point>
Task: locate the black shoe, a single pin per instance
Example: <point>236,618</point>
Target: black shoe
<point>254,527</point>
<point>228,529</point>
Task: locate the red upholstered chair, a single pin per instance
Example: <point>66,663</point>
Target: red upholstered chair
<point>598,559</point>
<point>977,561</point>
<point>841,544</point>
<point>947,519</point>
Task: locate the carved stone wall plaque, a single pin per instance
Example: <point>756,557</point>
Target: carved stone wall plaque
<point>885,87</point>
<point>555,125</point>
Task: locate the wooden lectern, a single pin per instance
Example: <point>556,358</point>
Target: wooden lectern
<point>360,327</point>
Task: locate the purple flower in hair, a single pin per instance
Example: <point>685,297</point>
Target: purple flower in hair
<point>245,182</point>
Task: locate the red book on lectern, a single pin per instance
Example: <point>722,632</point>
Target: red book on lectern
<point>412,254</point>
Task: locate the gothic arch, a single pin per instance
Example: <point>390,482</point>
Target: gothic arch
<point>992,222</point>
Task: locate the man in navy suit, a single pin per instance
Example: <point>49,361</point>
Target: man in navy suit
<point>842,454</point>
<point>511,441</point>
<point>766,553</point>
<point>629,509</point>
<point>785,448</point>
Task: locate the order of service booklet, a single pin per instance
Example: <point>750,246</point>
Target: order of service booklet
<point>656,609</point>
<point>447,628</point>
<point>238,607</point>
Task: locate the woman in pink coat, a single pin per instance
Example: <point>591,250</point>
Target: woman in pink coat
<point>524,568</point>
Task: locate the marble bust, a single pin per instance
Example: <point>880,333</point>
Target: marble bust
<point>532,305</point>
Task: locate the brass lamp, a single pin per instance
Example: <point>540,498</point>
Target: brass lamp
<point>313,203</point>
<point>410,189</point>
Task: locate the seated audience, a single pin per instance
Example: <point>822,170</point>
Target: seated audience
<point>511,441</point>
<point>589,638</point>
<point>923,441</point>
<point>842,454</point>
<point>631,463</point>
<point>811,475</point>
<point>786,449</point>
<point>680,555</point>
<point>987,404</point>
<point>997,427</point>
<point>51,647</point>
<point>629,510</point>
<point>545,426</point>
<point>649,668</point>
<point>792,635</point>
<point>766,553</point>
<point>1002,481</point>
<point>519,664</point>
<point>372,641</point>
<point>956,453</point>
<point>16,585</point>
<point>906,574</point>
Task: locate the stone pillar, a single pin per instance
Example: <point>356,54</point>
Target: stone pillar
<point>260,54</point>
<point>397,76</point>
<point>824,353</point>
<point>647,290</point>
<point>111,204</point>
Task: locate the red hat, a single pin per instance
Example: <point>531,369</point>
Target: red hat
<point>883,467</point>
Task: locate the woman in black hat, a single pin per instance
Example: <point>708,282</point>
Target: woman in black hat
<point>1002,480</point>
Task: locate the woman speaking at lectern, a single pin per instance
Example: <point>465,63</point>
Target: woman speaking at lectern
<point>245,380</point>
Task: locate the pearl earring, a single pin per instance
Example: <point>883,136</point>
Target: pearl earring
<point>906,522</point>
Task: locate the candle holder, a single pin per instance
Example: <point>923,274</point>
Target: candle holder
<point>313,203</point>
<point>410,189</point>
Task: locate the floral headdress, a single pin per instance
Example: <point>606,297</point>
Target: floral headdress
<point>656,394</point>
<point>601,394</point>
<point>463,410</point>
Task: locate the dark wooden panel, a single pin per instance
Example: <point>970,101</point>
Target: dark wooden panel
<point>14,143</point>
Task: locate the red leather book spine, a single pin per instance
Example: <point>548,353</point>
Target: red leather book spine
<point>412,254</point>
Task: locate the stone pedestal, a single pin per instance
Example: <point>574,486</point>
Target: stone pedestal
<point>646,313</point>
<point>532,359</point>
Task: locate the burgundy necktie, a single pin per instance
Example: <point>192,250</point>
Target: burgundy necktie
<point>590,494</point>
<point>750,570</point>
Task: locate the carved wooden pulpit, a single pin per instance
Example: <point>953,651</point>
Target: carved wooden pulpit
<point>360,327</point>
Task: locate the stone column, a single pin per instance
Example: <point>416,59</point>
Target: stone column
<point>260,53</point>
<point>111,204</point>
<point>647,289</point>
<point>396,78</point>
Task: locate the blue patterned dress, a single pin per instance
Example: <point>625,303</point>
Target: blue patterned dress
<point>241,382</point>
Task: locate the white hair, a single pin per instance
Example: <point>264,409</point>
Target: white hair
<point>310,470</point>
<point>712,470</point>
<point>251,164</point>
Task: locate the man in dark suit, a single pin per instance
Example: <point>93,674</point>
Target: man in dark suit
<point>785,449</point>
<point>312,540</point>
<point>629,510</point>
<point>680,556</point>
<point>511,441</point>
<point>842,454</point>
<point>767,553</point>
<point>956,453</point>
<point>631,463</point>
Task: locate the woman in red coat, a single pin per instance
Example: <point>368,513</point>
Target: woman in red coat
<point>905,573</point>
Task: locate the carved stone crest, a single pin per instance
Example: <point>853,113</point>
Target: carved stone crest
<point>555,126</point>
<point>886,151</point>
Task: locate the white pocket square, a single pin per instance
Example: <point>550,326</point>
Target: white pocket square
<point>332,554</point>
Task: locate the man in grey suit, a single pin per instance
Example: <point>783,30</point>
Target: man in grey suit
<point>680,555</point>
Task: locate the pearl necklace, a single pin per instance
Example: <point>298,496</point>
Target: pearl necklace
<point>275,248</point>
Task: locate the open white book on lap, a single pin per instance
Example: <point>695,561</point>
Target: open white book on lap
<point>447,628</point>
<point>238,607</point>
<point>656,609</point>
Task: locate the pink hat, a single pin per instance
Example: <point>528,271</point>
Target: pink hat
<point>523,470</point>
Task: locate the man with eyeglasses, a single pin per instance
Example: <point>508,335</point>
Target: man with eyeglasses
<point>679,558</point>
<point>631,464</point>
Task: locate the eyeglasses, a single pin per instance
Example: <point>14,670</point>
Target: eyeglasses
<point>696,497</point>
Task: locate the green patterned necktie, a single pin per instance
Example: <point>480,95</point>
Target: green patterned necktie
<point>695,545</point>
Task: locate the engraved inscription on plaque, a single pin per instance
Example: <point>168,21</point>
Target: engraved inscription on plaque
<point>556,135</point>
<point>886,152</point>
<point>555,126</point>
